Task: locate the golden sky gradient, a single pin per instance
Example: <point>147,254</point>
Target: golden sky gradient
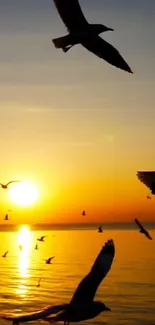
<point>70,123</point>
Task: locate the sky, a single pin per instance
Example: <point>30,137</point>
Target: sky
<point>72,124</point>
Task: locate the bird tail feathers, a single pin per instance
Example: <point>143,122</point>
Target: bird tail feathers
<point>62,42</point>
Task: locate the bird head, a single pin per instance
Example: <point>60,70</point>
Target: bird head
<point>103,28</point>
<point>100,306</point>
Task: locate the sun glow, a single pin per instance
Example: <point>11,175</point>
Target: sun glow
<point>24,193</point>
<point>24,243</point>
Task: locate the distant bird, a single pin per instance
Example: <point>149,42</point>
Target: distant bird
<point>143,230</point>
<point>100,229</point>
<point>148,197</point>
<point>83,213</point>
<point>6,217</point>
<point>5,186</point>
<point>81,32</point>
<point>147,178</point>
<point>20,247</point>
<point>41,238</point>
<point>48,261</point>
<point>38,285</point>
<point>82,305</point>
<point>36,247</point>
<point>5,254</point>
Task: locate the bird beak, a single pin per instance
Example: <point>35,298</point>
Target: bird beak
<point>108,309</point>
<point>111,29</point>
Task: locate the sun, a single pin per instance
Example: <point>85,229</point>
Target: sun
<point>24,193</point>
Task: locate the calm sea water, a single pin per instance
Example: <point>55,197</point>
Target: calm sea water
<point>128,289</point>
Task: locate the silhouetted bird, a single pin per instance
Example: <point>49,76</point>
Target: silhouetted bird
<point>83,213</point>
<point>48,261</point>
<point>147,178</point>
<point>100,229</point>
<point>82,305</point>
<point>20,247</point>
<point>5,254</point>
<point>38,285</point>
<point>81,32</point>
<point>6,217</point>
<point>36,247</point>
<point>148,197</point>
<point>41,238</point>
<point>6,185</point>
<point>143,230</point>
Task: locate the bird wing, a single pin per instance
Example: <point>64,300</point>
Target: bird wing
<point>50,258</point>
<point>86,289</point>
<point>106,51</point>
<point>6,253</point>
<point>148,235</point>
<point>45,312</point>
<point>42,237</point>
<point>71,14</point>
<point>12,182</point>
<point>146,177</point>
<point>139,225</point>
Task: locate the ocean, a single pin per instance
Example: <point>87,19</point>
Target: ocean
<point>128,289</point>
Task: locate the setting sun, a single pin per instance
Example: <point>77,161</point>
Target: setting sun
<point>24,193</point>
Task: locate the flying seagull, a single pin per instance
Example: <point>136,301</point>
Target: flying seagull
<point>38,285</point>
<point>83,213</point>
<point>48,261</point>
<point>6,217</point>
<point>148,197</point>
<point>147,178</point>
<point>36,247</point>
<point>41,238</point>
<point>5,254</point>
<point>81,32</point>
<point>82,305</point>
<point>142,229</point>
<point>5,186</point>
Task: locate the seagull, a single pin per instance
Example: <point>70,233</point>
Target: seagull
<point>20,247</point>
<point>147,178</point>
<point>38,285</point>
<point>41,238</point>
<point>82,305</point>
<point>48,261</point>
<point>5,254</point>
<point>142,229</point>
<point>148,197</point>
<point>6,217</point>
<point>81,32</point>
<point>100,229</point>
<point>83,213</point>
<point>5,186</point>
<point>36,247</point>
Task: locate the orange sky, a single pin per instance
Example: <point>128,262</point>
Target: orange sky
<point>72,124</point>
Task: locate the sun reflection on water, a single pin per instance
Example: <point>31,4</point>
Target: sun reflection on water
<point>24,243</point>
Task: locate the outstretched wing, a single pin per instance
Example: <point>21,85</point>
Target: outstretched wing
<point>12,182</point>
<point>139,225</point>
<point>50,258</point>
<point>5,253</point>
<point>45,312</point>
<point>148,235</point>
<point>71,14</point>
<point>107,52</point>
<point>86,289</point>
<point>147,178</point>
